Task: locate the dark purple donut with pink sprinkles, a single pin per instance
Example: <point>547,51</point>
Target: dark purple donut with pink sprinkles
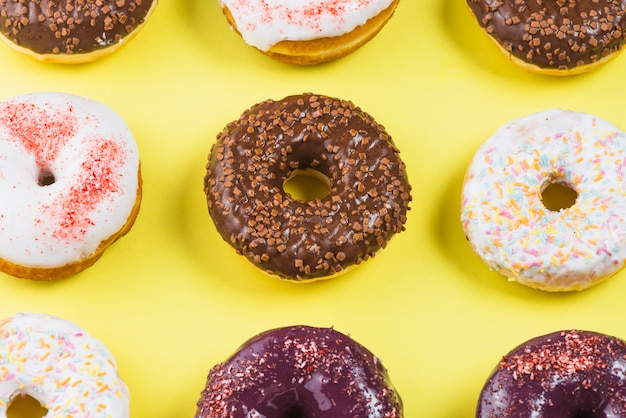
<point>565,374</point>
<point>303,372</point>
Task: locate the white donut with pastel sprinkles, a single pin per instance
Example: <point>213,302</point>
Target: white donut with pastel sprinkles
<point>54,361</point>
<point>507,222</point>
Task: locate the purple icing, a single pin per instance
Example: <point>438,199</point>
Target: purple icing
<point>565,374</point>
<point>302,372</point>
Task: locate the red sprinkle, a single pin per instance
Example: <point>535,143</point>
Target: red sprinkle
<point>42,132</point>
<point>96,181</point>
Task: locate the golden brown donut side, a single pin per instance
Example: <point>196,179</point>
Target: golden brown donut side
<point>55,273</point>
<point>554,37</point>
<point>316,51</point>
<point>72,32</point>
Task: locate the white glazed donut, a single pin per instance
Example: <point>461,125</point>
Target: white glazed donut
<point>509,226</point>
<point>87,152</point>
<point>307,31</point>
<point>69,372</point>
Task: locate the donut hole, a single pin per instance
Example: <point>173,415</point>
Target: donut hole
<point>557,196</point>
<point>588,414</point>
<point>25,406</point>
<point>307,184</point>
<point>295,411</point>
<point>46,178</point>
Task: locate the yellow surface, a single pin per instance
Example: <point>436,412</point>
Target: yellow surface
<point>171,299</point>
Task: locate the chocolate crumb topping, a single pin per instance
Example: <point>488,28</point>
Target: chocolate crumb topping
<point>554,34</point>
<point>70,26</point>
<point>563,374</point>
<point>296,240</point>
<point>300,371</point>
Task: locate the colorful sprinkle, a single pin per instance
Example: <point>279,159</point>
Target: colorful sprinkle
<point>55,362</point>
<point>507,222</point>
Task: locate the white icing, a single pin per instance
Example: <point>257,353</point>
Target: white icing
<point>59,364</point>
<point>264,23</point>
<point>506,221</point>
<point>95,172</point>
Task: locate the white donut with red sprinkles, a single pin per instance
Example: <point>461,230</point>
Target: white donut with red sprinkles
<point>69,177</point>
<point>307,31</point>
<point>265,23</point>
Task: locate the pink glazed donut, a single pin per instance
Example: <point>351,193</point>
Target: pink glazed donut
<point>57,363</point>
<point>507,222</point>
<point>70,183</point>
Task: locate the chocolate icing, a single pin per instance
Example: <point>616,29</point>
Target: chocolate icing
<point>70,27</point>
<point>559,375</point>
<point>554,34</point>
<point>300,371</point>
<point>296,240</point>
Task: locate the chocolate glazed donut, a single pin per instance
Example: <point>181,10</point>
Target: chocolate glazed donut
<point>306,240</point>
<point>565,374</point>
<point>300,371</point>
<point>74,28</point>
<point>555,35</point>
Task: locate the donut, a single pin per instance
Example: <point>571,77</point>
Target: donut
<point>300,371</point>
<point>568,373</point>
<point>70,180</point>
<point>504,213</point>
<point>71,31</point>
<point>54,361</point>
<point>306,240</point>
<point>307,32</point>
<point>554,37</point>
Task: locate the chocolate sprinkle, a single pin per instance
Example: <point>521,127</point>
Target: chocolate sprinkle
<point>300,371</point>
<point>302,240</point>
<point>563,374</point>
<point>554,34</point>
<point>70,26</point>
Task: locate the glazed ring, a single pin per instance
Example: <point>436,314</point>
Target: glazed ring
<point>554,37</point>
<point>300,371</point>
<point>310,31</point>
<point>305,240</point>
<point>563,374</point>
<point>507,222</point>
<point>70,180</point>
<point>57,363</point>
<point>71,31</point>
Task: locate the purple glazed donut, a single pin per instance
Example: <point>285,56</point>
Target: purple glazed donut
<point>565,374</point>
<point>300,371</point>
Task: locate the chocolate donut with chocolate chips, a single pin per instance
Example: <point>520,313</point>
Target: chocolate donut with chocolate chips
<point>556,37</point>
<point>306,240</point>
<point>300,371</point>
<point>563,374</point>
<point>71,31</point>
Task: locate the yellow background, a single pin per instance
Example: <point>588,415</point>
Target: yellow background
<point>171,299</point>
